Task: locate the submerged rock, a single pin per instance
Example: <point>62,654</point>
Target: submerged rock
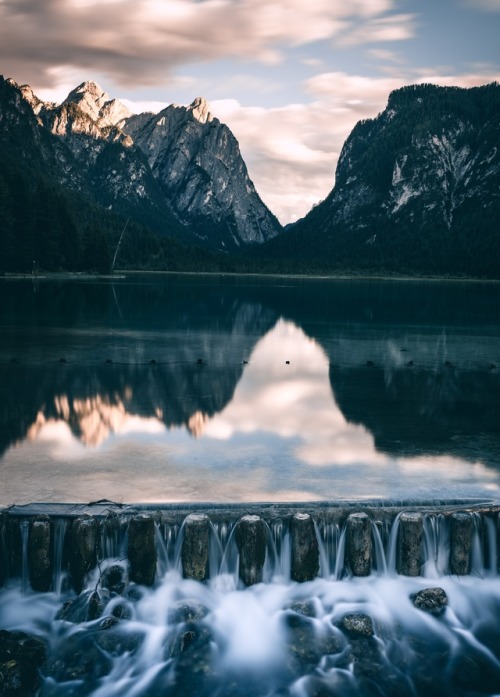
<point>186,611</point>
<point>307,641</point>
<point>78,657</point>
<point>87,607</point>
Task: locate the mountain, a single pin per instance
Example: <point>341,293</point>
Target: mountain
<point>197,160</point>
<point>178,175</point>
<point>417,189</point>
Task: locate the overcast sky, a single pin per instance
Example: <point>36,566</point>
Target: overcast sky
<point>290,78</point>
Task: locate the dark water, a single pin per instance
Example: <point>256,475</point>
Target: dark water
<point>198,388</point>
<point>230,389</point>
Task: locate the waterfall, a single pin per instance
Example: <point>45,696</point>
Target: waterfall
<point>387,602</point>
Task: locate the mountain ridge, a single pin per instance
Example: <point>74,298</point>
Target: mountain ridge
<point>417,188</point>
<point>419,183</point>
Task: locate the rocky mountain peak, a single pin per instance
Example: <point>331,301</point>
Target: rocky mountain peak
<point>97,104</point>
<point>200,110</point>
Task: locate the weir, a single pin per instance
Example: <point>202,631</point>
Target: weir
<point>44,546</point>
<point>264,600</point>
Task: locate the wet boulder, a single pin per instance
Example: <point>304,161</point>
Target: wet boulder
<point>86,607</point>
<point>432,600</point>
<point>186,611</point>
<point>250,538</point>
<point>114,579</point>
<point>359,551</point>
<point>305,548</point>
<point>307,641</point>
<point>191,649</point>
<point>116,639</point>
<point>357,625</point>
<point>410,539</point>
<point>461,535</point>
<point>308,608</point>
<point>40,554</point>
<point>142,553</point>
<point>83,549</point>
<point>77,657</point>
<point>195,544</point>
<point>21,658</point>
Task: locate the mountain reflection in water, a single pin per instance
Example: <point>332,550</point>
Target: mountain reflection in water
<point>224,390</point>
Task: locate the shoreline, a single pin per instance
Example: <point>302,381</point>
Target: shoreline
<point>125,273</point>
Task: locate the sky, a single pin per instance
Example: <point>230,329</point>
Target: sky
<point>290,78</point>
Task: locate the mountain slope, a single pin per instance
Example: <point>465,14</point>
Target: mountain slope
<point>416,189</point>
<point>197,160</point>
<point>179,173</point>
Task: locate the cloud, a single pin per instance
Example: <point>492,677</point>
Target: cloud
<point>140,42</point>
<point>380,30</point>
<point>291,152</point>
<point>483,5</point>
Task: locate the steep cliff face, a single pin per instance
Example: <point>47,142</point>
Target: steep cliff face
<point>179,172</point>
<point>420,183</point>
<point>198,162</point>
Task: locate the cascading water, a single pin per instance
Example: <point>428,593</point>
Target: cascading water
<point>337,635</point>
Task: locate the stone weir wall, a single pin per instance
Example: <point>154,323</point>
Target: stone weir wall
<point>39,542</point>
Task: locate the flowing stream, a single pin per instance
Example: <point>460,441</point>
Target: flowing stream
<point>336,635</point>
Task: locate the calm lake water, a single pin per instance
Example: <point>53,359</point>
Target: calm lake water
<point>204,388</point>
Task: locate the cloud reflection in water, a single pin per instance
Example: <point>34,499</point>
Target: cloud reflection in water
<point>282,437</point>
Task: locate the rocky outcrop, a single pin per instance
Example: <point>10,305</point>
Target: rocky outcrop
<point>21,657</point>
<point>198,162</point>
<point>179,172</point>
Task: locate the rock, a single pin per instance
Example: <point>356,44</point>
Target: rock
<point>357,625</point>
<point>115,641</point>
<point>425,180</point>
<point>78,658</point>
<point>338,683</point>
<point>83,549</point>
<point>142,549</point>
<point>460,543</point>
<point>195,546</point>
<point>40,554</point>
<point>191,651</point>
<point>359,544</point>
<point>114,579</point>
<point>197,161</point>
<point>411,530</point>
<point>186,611</point>
<point>304,607</point>
<point>305,548</point>
<point>3,551</point>
<point>250,538</point>
<point>97,104</point>
<point>21,658</point>
<point>433,600</point>
<point>123,611</point>
<point>87,607</point>
<point>307,642</point>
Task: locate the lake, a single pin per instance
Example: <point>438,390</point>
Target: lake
<point>206,388</point>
